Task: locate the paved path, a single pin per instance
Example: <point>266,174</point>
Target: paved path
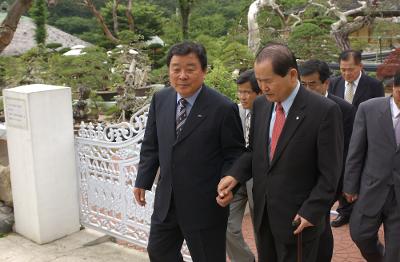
<point>78,247</point>
<point>344,248</point>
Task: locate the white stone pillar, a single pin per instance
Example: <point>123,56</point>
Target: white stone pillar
<point>42,160</point>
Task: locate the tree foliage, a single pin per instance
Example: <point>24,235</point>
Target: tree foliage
<point>39,14</point>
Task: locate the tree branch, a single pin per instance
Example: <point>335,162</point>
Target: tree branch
<point>89,4</point>
<point>10,23</point>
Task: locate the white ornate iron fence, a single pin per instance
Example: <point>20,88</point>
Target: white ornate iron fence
<point>108,157</point>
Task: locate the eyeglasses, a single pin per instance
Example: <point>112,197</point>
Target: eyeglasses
<point>311,84</point>
<point>244,93</point>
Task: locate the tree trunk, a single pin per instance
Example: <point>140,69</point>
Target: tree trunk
<point>342,40</point>
<point>254,40</point>
<point>341,35</point>
<point>129,16</point>
<point>10,23</point>
<point>89,4</point>
<point>115,16</point>
<point>185,8</point>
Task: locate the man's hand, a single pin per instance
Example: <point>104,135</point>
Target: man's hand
<point>303,224</point>
<point>140,196</point>
<point>226,200</point>
<point>350,197</point>
<point>224,189</point>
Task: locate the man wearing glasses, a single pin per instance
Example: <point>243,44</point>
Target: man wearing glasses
<point>236,247</point>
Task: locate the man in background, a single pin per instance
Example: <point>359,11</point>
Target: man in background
<point>372,177</point>
<point>355,87</point>
<point>236,247</point>
<point>314,75</point>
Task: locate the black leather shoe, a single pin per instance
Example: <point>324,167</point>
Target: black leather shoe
<point>340,220</point>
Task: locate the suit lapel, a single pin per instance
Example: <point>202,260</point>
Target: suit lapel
<point>265,115</point>
<point>341,88</point>
<point>361,89</point>
<point>168,114</point>
<point>196,116</point>
<point>385,120</point>
<point>293,121</point>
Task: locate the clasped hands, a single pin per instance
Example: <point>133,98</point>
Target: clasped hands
<point>225,196</point>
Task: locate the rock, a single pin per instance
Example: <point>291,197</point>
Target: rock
<point>6,222</point>
<point>5,185</point>
<point>6,210</point>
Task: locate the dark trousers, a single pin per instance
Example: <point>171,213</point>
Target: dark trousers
<point>271,250</point>
<point>325,247</point>
<point>166,238</point>
<point>345,208</point>
<point>364,231</point>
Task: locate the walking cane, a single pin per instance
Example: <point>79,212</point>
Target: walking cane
<point>295,224</point>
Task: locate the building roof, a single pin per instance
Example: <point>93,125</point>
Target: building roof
<point>24,37</point>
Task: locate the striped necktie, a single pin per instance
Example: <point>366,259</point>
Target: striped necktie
<point>181,115</point>
<point>349,93</point>
<point>247,127</point>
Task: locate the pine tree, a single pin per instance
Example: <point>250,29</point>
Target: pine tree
<point>39,14</point>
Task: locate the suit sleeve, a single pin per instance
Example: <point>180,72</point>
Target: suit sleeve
<point>232,138</point>
<point>348,122</point>
<point>242,168</point>
<point>149,161</point>
<point>330,159</point>
<point>357,152</point>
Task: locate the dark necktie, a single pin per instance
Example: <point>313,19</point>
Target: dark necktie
<point>181,116</point>
<point>277,130</point>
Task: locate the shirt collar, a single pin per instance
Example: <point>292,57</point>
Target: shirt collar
<point>287,103</point>
<point>190,99</point>
<point>355,83</point>
<point>395,109</point>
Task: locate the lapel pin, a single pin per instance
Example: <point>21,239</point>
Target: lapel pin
<point>297,118</point>
<point>199,115</point>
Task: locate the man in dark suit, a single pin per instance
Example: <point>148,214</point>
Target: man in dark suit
<point>296,145</point>
<point>314,75</point>
<point>355,87</point>
<point>193,134</point>
<point>372,177</point>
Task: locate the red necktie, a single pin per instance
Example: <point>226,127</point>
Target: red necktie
<point>277,130</point>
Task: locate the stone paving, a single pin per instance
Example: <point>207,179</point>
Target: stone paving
<point>344,248</point>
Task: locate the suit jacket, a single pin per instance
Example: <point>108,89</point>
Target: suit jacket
<point>191,165</point>
<point>303,175</point>
<point>348,114</point>
<point>367,88</point>
<point>373,162</point>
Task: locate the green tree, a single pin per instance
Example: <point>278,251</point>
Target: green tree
<point>39,14</point>
<point>236,56</point>
<point>76,25</point>
<point>185,8</point>
<point>149,18</point>
<point>221,79</point>
<point>310,41</point>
